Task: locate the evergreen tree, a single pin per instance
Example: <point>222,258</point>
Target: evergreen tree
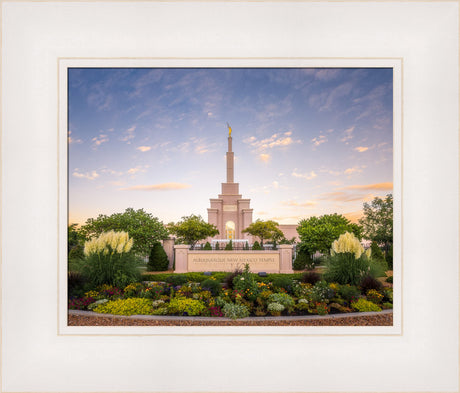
<point>207,246</point>
<point>256,246</point>
<point>301,260</point>
<point>158,260</point>
<point>229,246</point>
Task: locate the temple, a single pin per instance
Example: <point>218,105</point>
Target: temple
<point>229,212</point>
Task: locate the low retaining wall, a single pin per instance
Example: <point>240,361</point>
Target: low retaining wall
<point>278,261</point>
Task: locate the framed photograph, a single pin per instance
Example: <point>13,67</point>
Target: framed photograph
<point>152,104</point>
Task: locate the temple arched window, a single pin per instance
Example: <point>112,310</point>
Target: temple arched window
<point>229,230</point>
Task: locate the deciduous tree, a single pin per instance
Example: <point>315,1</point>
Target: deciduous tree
<point>191,229</point>
<point>377,221</point>
<point>318,233</point>
<point>143,227</point>
<point>264,230</point>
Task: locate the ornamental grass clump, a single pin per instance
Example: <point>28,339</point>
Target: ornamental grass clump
<point>109,260</point>
<point>348,262</point>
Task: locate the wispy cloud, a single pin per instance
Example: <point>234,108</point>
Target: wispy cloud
<point>143,149</point>
<point>361,149</point>
<point>157,187</point>
<point>99,140</point>
<point>347,134</point>
<point>128,134</point>
<point>276,140</point>
<point>298,204</point>
<point>264,157</point>
<point>88,175</point>
<point>309,176</point>
<point>319,140</point>
<point>71,140</point>
<point>355,169</point>
<point>388,186</point>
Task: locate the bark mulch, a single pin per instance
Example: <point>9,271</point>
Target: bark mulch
<point>384,319</point>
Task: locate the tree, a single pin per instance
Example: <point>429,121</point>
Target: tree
<point>318,233</point>
<point>75,242</point>
<point>229,246</point>
<point>377,221</point>
<point>264,230</point>
<point>158,260</point>
<point>191,229</point>
<point>141,226</point>
<point>256,246</point>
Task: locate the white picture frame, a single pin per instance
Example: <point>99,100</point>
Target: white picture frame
<point>420,353</point>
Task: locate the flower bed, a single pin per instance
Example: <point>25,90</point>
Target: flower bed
<point>242,295</point>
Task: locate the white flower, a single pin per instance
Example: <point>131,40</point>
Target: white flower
<point>109,242</point>
<point>347,242</point>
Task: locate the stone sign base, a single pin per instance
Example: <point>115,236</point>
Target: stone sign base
<point>279,261</point>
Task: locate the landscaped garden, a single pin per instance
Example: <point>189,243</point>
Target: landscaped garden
<point>108,281</point>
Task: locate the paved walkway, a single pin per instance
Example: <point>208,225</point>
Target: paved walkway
<point>223,319</point>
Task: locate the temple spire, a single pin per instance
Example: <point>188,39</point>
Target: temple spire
<point>230,157</point>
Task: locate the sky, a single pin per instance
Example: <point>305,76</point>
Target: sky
<point>307,141</point>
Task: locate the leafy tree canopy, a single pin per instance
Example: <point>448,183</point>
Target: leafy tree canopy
<point>377,221</point>
<point>264,230</point>
<point>141,226</point>
<point>318,233</point>
<point>191,229</point>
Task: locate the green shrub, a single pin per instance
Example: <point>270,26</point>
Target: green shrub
<point>77,284</point>
<point>176,279</point>
<point>363,305</point>
<point>131,306</point>
<point>217,246</point>
<point>158,260</point>
<point>275,309</point>
<point>235,311</point>
<point>283,282</point>
<point>181,306</point>
<point>212,286</point>
<point>301,260</point>
<point>246,284</point>
<point>282,298</point>
<point>387,305</point>
<point>389,279</point>
<point>246,246</point>
<point>322,292</point>
<point>229,246</point>
<point>376,252</point>
<point>207,246</point>
<point>196,276</point>
<point>256,246</point>
<point>349,292</point>
<point>156,277</point>
<point>231,276</point>
<point>76,252</point>
<point>219,276</point>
